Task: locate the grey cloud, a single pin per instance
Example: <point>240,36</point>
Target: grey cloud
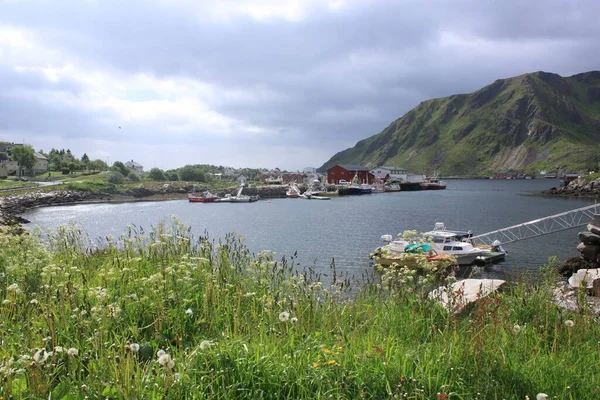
<point>383,57</point>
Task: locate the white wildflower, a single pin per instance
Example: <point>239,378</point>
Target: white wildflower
<point>293,320</point>
<point>177,376</point>
<point>189,312</point>
<point>284,316</point>
<point>205,344</point>
<point>40,356</point>
<point>73,351</point>
<point>541,396</point>
<point>160,353</point>
<point>516,328</point>
<point>6,302</point>
<point>569,323</point>
<point>13,288</point>
<point>134,347</point>
<point>58,349</point>
<point>34,302</point>
<point>165,360</point>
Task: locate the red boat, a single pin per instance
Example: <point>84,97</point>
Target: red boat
<point>206,197</point>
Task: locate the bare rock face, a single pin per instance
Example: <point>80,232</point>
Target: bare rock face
<point>584,279</point>
<point>462,293</point>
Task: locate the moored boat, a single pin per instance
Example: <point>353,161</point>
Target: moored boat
<point>206,197</point>
<point>392,187</point>
<point>432,183</point>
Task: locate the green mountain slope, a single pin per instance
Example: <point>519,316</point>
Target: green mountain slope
<point>529,122</point>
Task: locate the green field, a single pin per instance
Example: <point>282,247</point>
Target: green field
<point>164,315</point>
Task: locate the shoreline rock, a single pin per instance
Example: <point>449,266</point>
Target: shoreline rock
<point>577,188</point>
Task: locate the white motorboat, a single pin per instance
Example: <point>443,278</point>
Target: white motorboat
<point>442,241</point>
<point>239,197</point>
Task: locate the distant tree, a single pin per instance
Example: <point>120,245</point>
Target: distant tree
<point>192,173</point>
<point>24,156</point>
<point>172,175</point>
<point>85,159</point>
<point>98,165</point>
<point>133,177</point>
<point>157,174</point>
<point>116,177</point>
<point>119,166</point>
<point>3,156</point>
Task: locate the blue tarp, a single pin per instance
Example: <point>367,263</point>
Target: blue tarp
<point>417,248</point>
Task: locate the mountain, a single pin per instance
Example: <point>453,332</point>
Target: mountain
<point>527,123</point>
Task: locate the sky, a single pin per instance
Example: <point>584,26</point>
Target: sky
<point>261,83</point>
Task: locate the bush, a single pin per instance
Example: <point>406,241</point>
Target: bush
<point>133,177</point>
<point>157,174</point>
<point>116,178</point>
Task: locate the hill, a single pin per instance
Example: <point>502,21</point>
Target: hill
<point>530,122</point>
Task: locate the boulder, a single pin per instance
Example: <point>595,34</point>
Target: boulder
<point>594,229</point>
<point>588,237</point>
<point>584,278</point>
<point>462,293</point>
<point>589,251</point>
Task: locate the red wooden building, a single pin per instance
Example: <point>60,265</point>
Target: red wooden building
<point>346,172</point>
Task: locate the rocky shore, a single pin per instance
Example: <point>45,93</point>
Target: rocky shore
<point>11,207</point>
<point>578,188</point>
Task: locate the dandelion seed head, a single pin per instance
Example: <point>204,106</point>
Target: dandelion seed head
<point>189,312</point>
<point>134,347</point>
<point>34,302</point>
<point>160,353</point>
<point>516,328</point>
<point>73,352</point>
<point>569,323</point>
<point>541,396</point>
<point>284,316</point>
<point>293,320</point>
<point>205,344</point>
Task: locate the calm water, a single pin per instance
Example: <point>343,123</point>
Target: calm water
<point>349,228</point>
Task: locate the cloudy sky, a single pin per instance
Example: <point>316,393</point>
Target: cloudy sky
<point>261,83</point>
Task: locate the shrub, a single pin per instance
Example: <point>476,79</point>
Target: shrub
<point>116,177</point>
<point>133,177</point>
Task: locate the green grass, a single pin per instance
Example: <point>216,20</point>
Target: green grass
<point>236,325</point>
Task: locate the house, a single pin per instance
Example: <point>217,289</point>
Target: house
<point>310,171</point>
<point>272,180</point>
<point>242,179</point>
<point>135,167</point>
<point>347,172</point>
<point>390,173</point>
<point>41,164</point>
<point>3,172</point>
<point>289,178</point>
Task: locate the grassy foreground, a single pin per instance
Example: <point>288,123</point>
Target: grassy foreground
<point>162,315</point>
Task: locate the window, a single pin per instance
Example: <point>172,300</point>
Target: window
<point>447,248</point>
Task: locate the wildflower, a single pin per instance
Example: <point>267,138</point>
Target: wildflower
<point>541,396</point>
<point>13,288</point>
<point>331,362</point>
<point>569,323</point>
<point>315,365</point>
<point>516,328</point>
<point>134,347</point>
<point>284,316</point>
<point>293,320</point>
<point>166,361</point>
<point>73,352</point>
<point>205,344</point>
<point>58,349</point>
<point>34,302</point>
<point>6,302</point>
<point>160,353</point>
<point>189,312</point>
<point>442,396</point>
<point>40,356</point>
<point>177,376</point>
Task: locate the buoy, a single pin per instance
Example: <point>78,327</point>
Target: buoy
<point>269,201</point>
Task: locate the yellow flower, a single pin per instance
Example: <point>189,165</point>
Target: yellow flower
<point>326,351</point>
<point>315,365</point>
<point>331,362</point>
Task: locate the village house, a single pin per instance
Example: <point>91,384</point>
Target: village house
<point>135,167</point>
<point>347,172</point>
<point>392,173</point>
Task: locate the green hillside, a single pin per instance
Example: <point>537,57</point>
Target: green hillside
<point>527,123</point>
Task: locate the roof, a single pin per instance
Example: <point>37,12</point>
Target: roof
<point>391,167</point>
<point>39,156</point>
<point>133,164</point>
<point>352,167</point>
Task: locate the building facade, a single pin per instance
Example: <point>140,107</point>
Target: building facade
<point>347,172</point>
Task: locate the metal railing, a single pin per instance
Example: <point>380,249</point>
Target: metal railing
<point>539,227</point>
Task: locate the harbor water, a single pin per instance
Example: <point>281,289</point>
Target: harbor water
<point>347,229</point>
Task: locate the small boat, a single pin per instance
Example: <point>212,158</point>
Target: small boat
<point>392,187</point>
<point>239,197</point>
<point>206,197</point>
<point>293,192</point>
<point>442,241</point>
<point>432,183</point>
<point>310,196</point>
<point>378,186</point>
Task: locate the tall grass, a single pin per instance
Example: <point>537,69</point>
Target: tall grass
<point>163,315</point>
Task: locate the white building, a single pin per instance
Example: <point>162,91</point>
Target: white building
<point>41,164</point>
<point>310,171</point>
<point>135,167</point>
<point>391,173</point>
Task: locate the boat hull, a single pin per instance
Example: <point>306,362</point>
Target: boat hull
<point>202,199</point>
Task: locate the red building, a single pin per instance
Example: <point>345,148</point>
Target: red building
<point>346,172</point>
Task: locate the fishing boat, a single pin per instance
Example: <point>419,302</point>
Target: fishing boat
<point>239,197</point>
<point>356,187</point>
<point>206,197</point>
<point>432,183</point>
<point>378,186</point>
<point>293,192</point>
